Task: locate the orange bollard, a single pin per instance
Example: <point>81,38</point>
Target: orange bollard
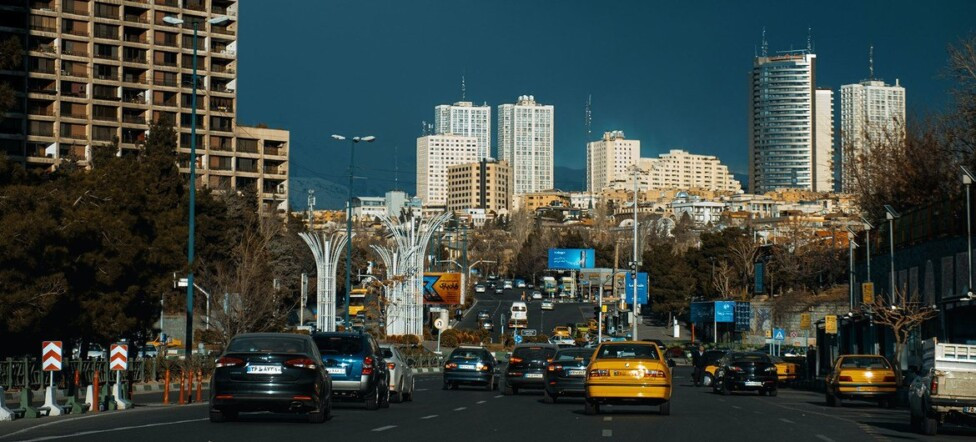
<point>182,388</point>
<point>74,387</point>
<point>189,391</point>
<point>166,388</point>
<point>95,399</point>
<point>199,385</point>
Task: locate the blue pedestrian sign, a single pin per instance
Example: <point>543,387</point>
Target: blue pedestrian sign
<point>518,339</point>
<point>779,334</point>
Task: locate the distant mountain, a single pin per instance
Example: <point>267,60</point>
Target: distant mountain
<point>569,179</point>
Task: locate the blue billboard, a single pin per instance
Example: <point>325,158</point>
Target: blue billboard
<point>743,312</point>
<point>758,283</point>
<point>724,311</point>
<point>641,289</point>
<point>571,259</point>
<point>702,312</point>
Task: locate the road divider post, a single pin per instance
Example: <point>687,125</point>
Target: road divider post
<point>51,362</point>
<point>119,362</point>
<point>200,385</point>
<point>182,387</point>
<point>93,393</point>
<point>166,388</point>
<point>189,390</point>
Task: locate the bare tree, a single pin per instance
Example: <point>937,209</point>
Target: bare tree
<point>724,279</point>
<point>743,252</point>
<point>901,316</point>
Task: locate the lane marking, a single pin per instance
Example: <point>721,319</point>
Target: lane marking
<point>388,427</point>
<point>460,408</point>
<point>786,420</point>
<point>132,427</point>
<point>481,402</point>
<point>824,438</point>
<point>608,418</point>
<point>429,417</point>
<point>607,433</point>
<point>425,389</point>
<point>499,396</point>
<point>92,416</point>
<point>737,407</point>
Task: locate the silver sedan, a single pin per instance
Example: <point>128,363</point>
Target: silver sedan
<point>401,374</point>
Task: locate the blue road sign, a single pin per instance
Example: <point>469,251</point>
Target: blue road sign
<point>779,334</point>
<point>724,311</point>
<point>518,339</point>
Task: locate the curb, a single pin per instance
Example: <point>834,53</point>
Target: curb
<point>427,370</point>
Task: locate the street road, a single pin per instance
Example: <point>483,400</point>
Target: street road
<point>542,321</point>
<point>477,415</point>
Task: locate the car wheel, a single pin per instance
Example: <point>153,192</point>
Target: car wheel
<point>508,390</point>
<point>832,400</point>
<point>319,416</point>
<point>773,392</point>
<point>217,416</point>
<point>409,397</point>
<point>707,380</point>
<point>446,385</point>
<point>373,401</point>
<point>491,384</point>
<point>396,397</point>
<point>665,409</point>
<point>455,386</point>
<point>385,397</point>
<point>548,398</point>
<point>725,389</point>
<point>590,408</point>
<point>762,391</point>
<point>930,426</point>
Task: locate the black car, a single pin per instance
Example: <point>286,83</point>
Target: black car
<point>355,363</point>
<point>739,371</point>
<point>470,366</point>
<point>278,372</point>
<point>566,373</point>
<point>527,367</point>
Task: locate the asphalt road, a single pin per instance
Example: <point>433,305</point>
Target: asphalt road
<point>478,415</point>
<point>542,321</point>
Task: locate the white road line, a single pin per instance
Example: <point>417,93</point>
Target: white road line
<point>607,433</point>
<point>429,417</point>
<point>460,408</point>
<point>608,418</point>
<point>737,407</point>
<point>499,396</point>
<point>421,389</point>
<point>133,427</point>
<point>388,427</point>
<point>824,438</point>
<point>786,420</point>
<point>480,402</point>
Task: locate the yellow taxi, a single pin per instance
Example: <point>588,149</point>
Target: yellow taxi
<point>711,358</point>
<point>628,373</point>
<point>785,371</point>
<point>861,377</point>
<point>561,331</point>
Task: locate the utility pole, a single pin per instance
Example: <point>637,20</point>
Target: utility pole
<point>634,310</point>
<point>311,209</point>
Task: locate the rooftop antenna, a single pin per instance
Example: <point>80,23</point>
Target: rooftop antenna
<point>871,62</point>
<point>462,86</point>
<point>765,45</point>
<point>396,168</point>
<point>809,39</point>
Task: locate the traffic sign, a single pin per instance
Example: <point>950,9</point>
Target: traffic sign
<point>518,339</point>
<point>528,332</point>
<point>779,334</point>
<point>830,324</point>
<point>439,324</point>
<point>867,293</point>
<point>51,356</point>
<point>118,358</point>
<point>769,334</point>
<point>805,321</point>
<point>793,334</point>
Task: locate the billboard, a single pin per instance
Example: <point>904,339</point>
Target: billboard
<point>724,311</point>
<point>758,283</point>
<point>571,259</point>
<point>743,313</point>
<point>702,312</point>
<point>641,289</point>
<point>442,288</point>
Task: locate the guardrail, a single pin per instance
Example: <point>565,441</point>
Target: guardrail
<point>26,372</point>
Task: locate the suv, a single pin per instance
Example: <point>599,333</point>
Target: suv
<point>470,366</point>
<point>355,363</point>
<point>527,367</point>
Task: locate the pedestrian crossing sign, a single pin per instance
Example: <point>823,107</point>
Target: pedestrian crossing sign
<point>779,334</point>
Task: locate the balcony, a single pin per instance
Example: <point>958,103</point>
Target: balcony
<point>76,31</point>
<point>134,79</point>
<point>173,3</point>
<point>134,59</point>
<point>136,19</point>
<point>75,52</point>
<point>131,38</point>
<point>47,49</point>
<point>101,33</point>
<point>133,118</point>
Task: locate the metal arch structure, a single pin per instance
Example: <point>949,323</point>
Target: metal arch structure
<point>326,250</point>
<point>393,289</point>
<point>411,238</point>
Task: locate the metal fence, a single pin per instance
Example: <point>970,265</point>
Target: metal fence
<point>26,372</point>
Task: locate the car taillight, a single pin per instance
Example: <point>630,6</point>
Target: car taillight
<point>515,360</point>
<point>483,367</point>
<point>229,362</point>
<point>368,365</point>
<point>599,373</point>
<point>846,379</point>
<point>450,365</point>
<point>554,367</point>
<point>391,365</point>
<point>889,379</point>
<point>301,363</point>
<point>654,373</point>
<point>736,369</point>
<point>934,386</point>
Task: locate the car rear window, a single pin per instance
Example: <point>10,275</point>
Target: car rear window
<point>534,353</point>
<point>628,351</point>
<point>750,357</point>
<point>387,353</point>
<point>864,362</point>
<point>467,354</point>
<point>574,355</point>
<point>712,357</point>
<point>265,344</point>
<point>339,345</point>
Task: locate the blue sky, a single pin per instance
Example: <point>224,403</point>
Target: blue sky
<point>672,74</point>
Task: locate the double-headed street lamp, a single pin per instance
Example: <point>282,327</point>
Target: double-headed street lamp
<point>967,180</point>
<point>352,156</point>
<point>891,214</point>
<point>193,177</point>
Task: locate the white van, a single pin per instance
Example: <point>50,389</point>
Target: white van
<point>518,315</point>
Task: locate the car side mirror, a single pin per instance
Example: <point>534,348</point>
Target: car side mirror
<point>411,362</point>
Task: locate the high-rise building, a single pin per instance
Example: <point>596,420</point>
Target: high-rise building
<point>782,131</point>
<point>483,185</point>
<point>435,153</point>
<point>102,70</point>
<point>609,159</point>
<point>525,141</point>
<point>466,119</point>
<point>870,112</point>
<point>823,140</point>
<point>679,169</point>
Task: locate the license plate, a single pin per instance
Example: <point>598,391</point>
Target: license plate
<point>263,369</point>
<point>533,375</point>
<point>336,370</point>
<point>867,388</point>
<point>466,367</point>
<point>577,372</point>
<point>753,384</point>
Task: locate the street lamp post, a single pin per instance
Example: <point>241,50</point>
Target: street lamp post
<point>193,180</point>
<point>891,214</point>
<point>851,246</point>
<point>352,156</point>
<point>867,241</point>
<point>967,180</point>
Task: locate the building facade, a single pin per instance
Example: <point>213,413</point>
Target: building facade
<point>679,169</point>
<point>525,141</point>
<point>99,71</point>
<point>435,154</point>
<point>609,159</point>
<point>484,185</point>
<point>781,122</point>
<point>466,119</point>
<point>870,112</point>
<point>823,149</point>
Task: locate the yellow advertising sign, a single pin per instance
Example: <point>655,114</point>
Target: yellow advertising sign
<point>867,293</point>
<point>830,324</point>
<point>603,308</point>
<point>805,321</point>
<point>442,288</point>
<point>769,334</point>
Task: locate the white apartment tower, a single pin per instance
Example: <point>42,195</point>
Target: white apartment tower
<point>870,111</point>
<point>465,119</point>
<point>823,139</point>
<point>782,130</point>
<point>609,159</point>
<point>679,169</point>
<point>525,141</point>
<point>435,154</point>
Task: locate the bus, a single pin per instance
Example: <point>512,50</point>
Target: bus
<point>357,302</point>
<point>549,285</point>
<point>568,285</point>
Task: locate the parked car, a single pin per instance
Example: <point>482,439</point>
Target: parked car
<point>785,371</point>
<point>356,365</point>
<point>566,374</point>
<point>527,366</point>
<point>401,374</point>
<point>548,305</point>
<point>470,365</point>
<point>861,377</point>
<point>280,372</point>
<point>745,371</point>
<point>148,351</point>
<point>520,283</point>
<point>945,391</point>
<point>631,373</point>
